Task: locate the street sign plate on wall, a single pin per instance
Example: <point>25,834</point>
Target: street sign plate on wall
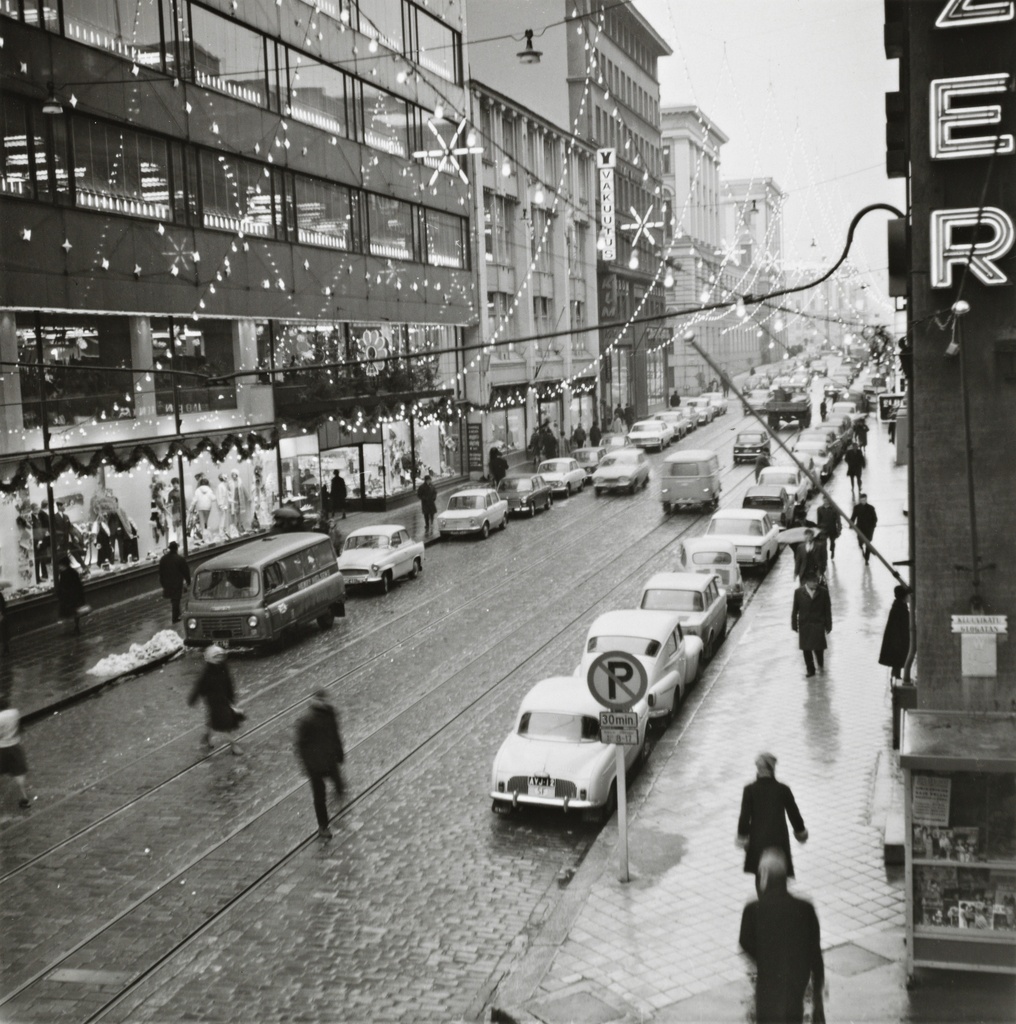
<point>617,680</point>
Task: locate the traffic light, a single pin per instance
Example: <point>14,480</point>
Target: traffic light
<point>897,121</point>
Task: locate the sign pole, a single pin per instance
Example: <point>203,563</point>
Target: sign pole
<point>622,816</point>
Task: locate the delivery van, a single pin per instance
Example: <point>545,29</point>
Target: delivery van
<point>690,478</point>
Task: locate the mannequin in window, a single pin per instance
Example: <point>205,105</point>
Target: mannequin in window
<point>223,503</point>
<point>239,501</point>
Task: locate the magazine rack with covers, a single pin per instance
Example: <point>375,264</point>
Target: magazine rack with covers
<point>960,805</point>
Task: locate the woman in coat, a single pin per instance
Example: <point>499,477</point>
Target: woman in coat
<point>896,638</point>
<point>70,593</point>
<point>215,687</point>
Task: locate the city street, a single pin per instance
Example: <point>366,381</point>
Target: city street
<point>152,881</point>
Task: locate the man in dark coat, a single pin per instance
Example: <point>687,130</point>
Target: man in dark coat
<point>865,518</point>
<point>811,618</point>
<point>861,434</point>
<point>828,520</point>
<point>809,557</point>
<point>215,687</point>
<point>319,748</point>
<point>765,806</point>
<point>578,436</point>
<point>595,434</point>
<point>781,934</point>
<point>854,458</point>
<point>174,575</point>
<point>427,494</point>
<point>338,494</point>
<point>896,638</point>
<point>761,461</point>
<point>70,593</point>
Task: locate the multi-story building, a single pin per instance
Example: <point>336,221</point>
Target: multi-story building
<point>833,313</point>
<point>235,252</point>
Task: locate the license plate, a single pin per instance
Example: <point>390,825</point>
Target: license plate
<point>541,785</point>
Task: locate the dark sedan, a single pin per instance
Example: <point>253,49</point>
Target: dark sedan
<point>773,499</point>
<point>750,444</point>
<point>525,493</point>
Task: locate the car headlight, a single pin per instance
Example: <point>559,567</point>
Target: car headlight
<point>375,569</point>
<point>252,621</point>
<point>474,522</point>
<point>192,623</point>
<point>622,480</point>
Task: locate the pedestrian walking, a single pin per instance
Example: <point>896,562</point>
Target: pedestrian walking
<point>675,399</point>
<point>578,436</point>
<point>174,576</point>
<point>828,520</point>
<point>726,386</point>
<point>811,618</point>
<point>338,494</point>
<point>810,557</point>
<point>781,934</point>
<point>823,408</point>
<point>861,434</point>
<point>617,425</point>
<point>498,465</point>
<point>5,627</point>
<point>766,804</point>
<point>70,594</point>
<point>595,434</point>
<point>319,747</point>
<point>427,494</point>
<point>629,415</point>
<point>761,461</point>
<point>215,687</point>
<point>854,458</point>
<point>12,755</point>
<point>896,638</point>
<point>865,518</point>
<point>892,427</point>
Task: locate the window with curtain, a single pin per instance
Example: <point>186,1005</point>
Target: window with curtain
<point>501,323</point>
<point>550,168</point>
<point>324,214</point>
<point>446,239</point>
<point>222,55</point>
<point>390,223</point>
<point>577,319</point>
<point>238,195</point>
<point>129,28</point>
<point>497,228</point>
<point>487,131</point>
<point>318,94</point>
<point>385,121</point>
<point>577,251</point>
<point>540,244</point>
<point>121,170</point>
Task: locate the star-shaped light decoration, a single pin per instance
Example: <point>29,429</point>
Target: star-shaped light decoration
<point>66,245</point>
<point>105,263</point>
<point>26,234</point>
<point>449,153</point>
<point>642,226</point>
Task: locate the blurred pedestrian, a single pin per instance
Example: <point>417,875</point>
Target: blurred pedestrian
<point>498,465</point>
<point>338,494</point>
<point>174,575</point>
<point>726,386</point>
<point>892,427</point>
<point>215,687</point>
<point>70,594</point>
<point>781,934</point>
<point>823,409</point>
<point>12,755</point>
<point>765,807</point>
<point>319,748</point>
<point>854,458</point>
<point>828,520</point>
<point>896,638</point>
<point>595,434</point>
<point>861,434</point>
<point>629,415</point>
<point>675,399</point>
<point>427,494</point>
<point>811,619</point>
<point>578,437</point>
<point>761,461</point>
<point>810,557</point>
<point>865,518</point>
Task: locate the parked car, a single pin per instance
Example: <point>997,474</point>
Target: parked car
<point>690,477</point>
<point>610,441</point>
<point>380,555</point>
<point>775,499</point>
<point>677,420</point>
<point>823,458</point>
<point>553,756</point>
<point>699,410</point>
<point>564,475</point>
<point>717,400</point>
<point>851,409</point>
<point>651,434</point>
<point>670,658</point>
<point>698,600</point>
<point>751,531</point>
<point>589,459</point>
<point>624,469</point>
<point>750,444</point>
<point>832,437</point>
<point>525,493</point>
<point>715,555</point>
<point>797,483</point>
<point>473,510</point>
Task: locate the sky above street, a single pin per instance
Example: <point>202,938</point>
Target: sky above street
<point>798,86</point>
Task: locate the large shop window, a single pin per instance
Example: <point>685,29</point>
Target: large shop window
<point>390,222</point>
<point>35,163</point>
<point>238,196</point>
<point>435,348</point>
<point>33,12</point>
<point>120,170</point>
<point>81,357</point>
<point>132,29</point>
<point>385,121</point>
<point>435,46</point>
<point>203,351</point>
<point>325,215</point>
<point>446,240</point>
<point>382,19</point>
<point>318,95</point>
<point>308,345</point>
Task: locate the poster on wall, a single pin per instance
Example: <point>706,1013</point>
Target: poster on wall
<point>474,446</point>
<point>930,804</point>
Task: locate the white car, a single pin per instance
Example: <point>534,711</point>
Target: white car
<point>797,483</point>
<point>621,469</point>
<point>651,434</point>
<point>700,410</point>
<point>714,555</point>
<point>553,756</point>
<point>820,454</point>
<point>677,420</point>
<point>716,398</point>
<point>474,510</point>
<point>563,475</point>
<point>698,599</point>
<point>752,533</point>
<point>380,555</point>
<point>671,659</point>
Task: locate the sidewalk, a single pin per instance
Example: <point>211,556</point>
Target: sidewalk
<point>663,947</point>
<point>47,668</point>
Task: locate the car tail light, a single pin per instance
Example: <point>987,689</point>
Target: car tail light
<point>500,787</point>
<point>758,551</point>
<point>583,795</point>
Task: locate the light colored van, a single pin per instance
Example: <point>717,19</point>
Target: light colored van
<point>690,478</point>
<point>255,592</point>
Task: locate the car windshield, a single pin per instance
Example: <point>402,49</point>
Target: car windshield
<point>557,725</point>
<point>684,469</point>
<point>672,600</point>
<point>630,644</point>
<point>763,501</point>
<point>516,484</point>
<point>750,438</point>
<point>711,558</point>
<point>366,540</point>
<point>220,584</point>
<point>778,478</point>
<point>461,502</point>
<point>652,426</point>
<point>553,466</point>
<point>745,527</point>
<point>585,456</point>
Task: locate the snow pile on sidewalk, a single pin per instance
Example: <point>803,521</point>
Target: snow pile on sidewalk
<point>162,645</point>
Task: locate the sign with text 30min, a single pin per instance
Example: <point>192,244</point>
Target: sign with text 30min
<point>619,727</point>
<point>606,161</point>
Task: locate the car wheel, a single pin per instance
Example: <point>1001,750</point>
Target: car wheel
<point>597,491</point>
<point>707,649</point>
<point>485,531</point>
<point>645,483</point>
<point>666,506</point>
<point>325,620</point>
<point>385,583</point>
<point>532,510</point>
<point>504,522</point>
<point>632,486</point>
<point>417,568</point>
<point>550,501</point>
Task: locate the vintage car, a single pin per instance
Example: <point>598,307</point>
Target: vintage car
<point>623,469</point>
<point>379,555</point>
<point>656,639</point>
<point>553,756</point>
<point>589,459</point>
<point>750,444</point>
<point>699,410</point>
<point>698,599</point>
<point>564,475</point>
<point>823,458</point>
<point>717,400</point>
<point>525,493</point>
<point>473,510</point>
<point>677,420</point>
<point>651,434</point>
<point>610,441</point>
<point>752,533</point>
<point>714,555</point>
<point>775,499</point>
<point>798,484</point>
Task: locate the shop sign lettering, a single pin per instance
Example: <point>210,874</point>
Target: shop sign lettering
<point>606,161</point>
<point>980,624</point>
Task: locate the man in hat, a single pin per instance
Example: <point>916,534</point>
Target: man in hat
<point>765,807</point>
<point>319,748</point>
<point>809,557</point>
<point>811,618</point>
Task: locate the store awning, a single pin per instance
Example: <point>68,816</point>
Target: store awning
<point>503,396</point>
<point>582,385</point>
<point>547,389</point>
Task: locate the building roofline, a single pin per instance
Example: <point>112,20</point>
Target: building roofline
<point>709,124</point>
<point>640,19</point>
<point>748,184</point>
<point>474,84</point>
